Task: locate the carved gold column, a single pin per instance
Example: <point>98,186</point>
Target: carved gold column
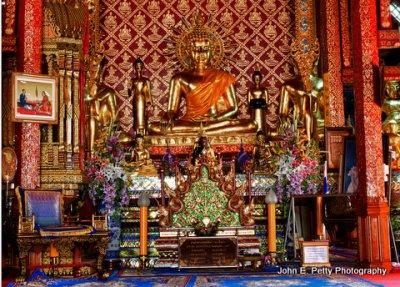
<point>61,127</point>
<point>68,106</point>
<point>76,97</point>
<point>333,85</point>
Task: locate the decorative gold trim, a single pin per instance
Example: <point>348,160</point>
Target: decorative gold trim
<point>177,140</point>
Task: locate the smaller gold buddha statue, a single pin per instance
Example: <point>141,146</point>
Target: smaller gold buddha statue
<point>391,125</point>
<point>261,155</point>
<point>306,105</point>
<point>258,99</point>
<point>140,160</point>
<point>142,98</point>
<point>101,101</point>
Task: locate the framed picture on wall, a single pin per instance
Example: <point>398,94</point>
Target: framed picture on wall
<point>349,169</point>
<point>34,98</point>
<point>334,142</point>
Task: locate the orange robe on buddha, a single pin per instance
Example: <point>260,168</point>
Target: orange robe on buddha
<point>206,95</point>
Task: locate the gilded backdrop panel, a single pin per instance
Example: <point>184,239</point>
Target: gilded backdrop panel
<point>262,31</point>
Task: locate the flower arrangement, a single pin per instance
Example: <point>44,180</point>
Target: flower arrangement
<point>106,178</point>
<point>296,165</point>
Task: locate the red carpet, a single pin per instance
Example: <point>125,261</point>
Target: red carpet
<point>389,280</point>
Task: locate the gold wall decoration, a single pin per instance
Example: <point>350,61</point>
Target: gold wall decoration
<point>261,32</point>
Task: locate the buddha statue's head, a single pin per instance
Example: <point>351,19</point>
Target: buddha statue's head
<point>257,77</point>
<point>139,141</point>
<point>138,66</point>
<point>200,50</point>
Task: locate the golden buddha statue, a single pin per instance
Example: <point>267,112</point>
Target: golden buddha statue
<point>258,99</point>
<point>208,92</point>
<point>305,104</point>
<point>101,101</point>
<point>261,155</point>
<point>140,161</point>
<point>141,93</point>
<point>391,125</point>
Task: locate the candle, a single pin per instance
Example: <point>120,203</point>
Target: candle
<point>318,216</point>
<point>144,210</point>
<point>143,202</point>
<point>271,209</point>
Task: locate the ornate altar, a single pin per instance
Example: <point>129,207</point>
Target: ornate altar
<point>45,239</point>
<point>206,202</point>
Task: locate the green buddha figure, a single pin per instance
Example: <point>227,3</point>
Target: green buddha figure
<point>209,95</point>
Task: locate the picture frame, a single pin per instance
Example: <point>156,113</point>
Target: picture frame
<point>315,253</point>
<point>34,98</point>
<point>349,161</point>
<point>334,142</point>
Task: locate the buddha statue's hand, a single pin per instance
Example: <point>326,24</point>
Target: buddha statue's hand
<point>166,125</point>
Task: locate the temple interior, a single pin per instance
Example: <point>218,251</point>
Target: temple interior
<point>200,143</point>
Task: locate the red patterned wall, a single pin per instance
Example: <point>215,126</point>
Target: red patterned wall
<point>262,30</point>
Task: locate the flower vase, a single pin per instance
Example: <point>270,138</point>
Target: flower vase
<point>114,229</point>
<point>99,207</point>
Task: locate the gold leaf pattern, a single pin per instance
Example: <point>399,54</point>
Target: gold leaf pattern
<point>125,8</point>
<point>110,22</point>
<point>241,6</point>
<point>270,6</point>
<point>255,18</point>
<point>125,34</point>
<point>139,21</point>
<point>154,7</point>
<point>111,51</point>
<point>183,7</point>
<point>212,6</point>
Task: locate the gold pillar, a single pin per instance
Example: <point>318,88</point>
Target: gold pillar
<point>76,110</point>
<point>61,75</point>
